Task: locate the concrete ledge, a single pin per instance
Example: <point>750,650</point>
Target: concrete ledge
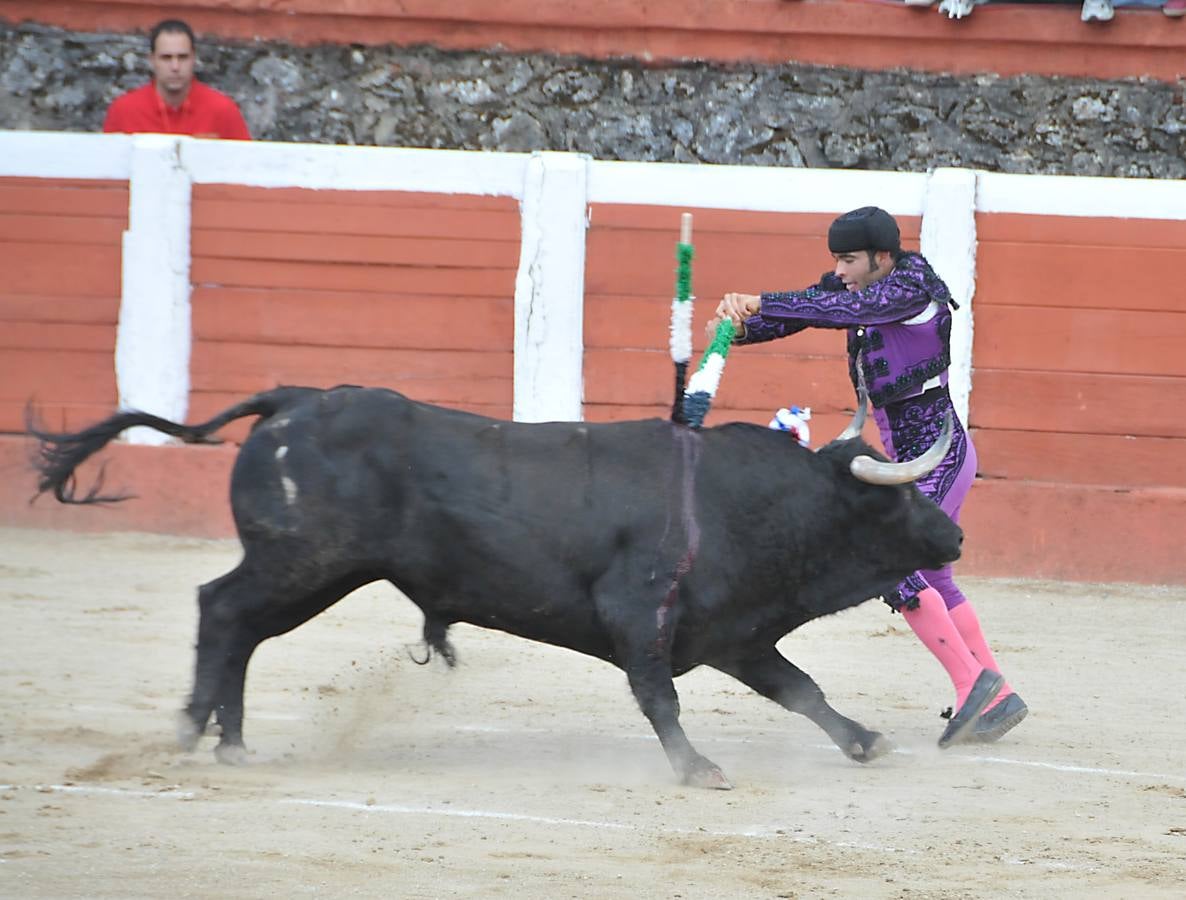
<point>178,490</point>
<point>1069,532</point>
<point>1015,529</point>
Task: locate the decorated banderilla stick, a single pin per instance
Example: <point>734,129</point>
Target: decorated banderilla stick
<point>681,316</point>
<point>702,387</point>
<point>703,384</point>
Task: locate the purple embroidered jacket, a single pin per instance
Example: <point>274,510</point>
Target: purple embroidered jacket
<point>899,355</point>
<point>901,327</point>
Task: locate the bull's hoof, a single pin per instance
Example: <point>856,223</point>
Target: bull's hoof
<point>874,746</point>
<point>707,776</point>
<point>231,754</point>
<point>187,733</point>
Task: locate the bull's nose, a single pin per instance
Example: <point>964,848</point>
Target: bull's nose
<point>954,548</point>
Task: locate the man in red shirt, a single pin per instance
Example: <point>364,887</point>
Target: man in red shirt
<point>175,102</point>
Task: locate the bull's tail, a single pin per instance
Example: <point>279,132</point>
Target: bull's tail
<point>59,455</point>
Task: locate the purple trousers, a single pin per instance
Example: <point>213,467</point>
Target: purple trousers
<point>908,428</point>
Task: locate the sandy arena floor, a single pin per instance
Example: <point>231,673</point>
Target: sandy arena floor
<point>528,772</point>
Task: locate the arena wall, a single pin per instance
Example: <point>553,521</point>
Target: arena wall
<point>539,286</point>
<point>61,295</point>
<point>1005,39</point>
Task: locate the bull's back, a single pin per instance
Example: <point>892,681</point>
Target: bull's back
<point>502,524</point>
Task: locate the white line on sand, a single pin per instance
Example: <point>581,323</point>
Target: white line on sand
<point>756,832</point>
<point>780,834</point>
<point>831,748</point>
<point>167,793</point>
<point>400,809</point>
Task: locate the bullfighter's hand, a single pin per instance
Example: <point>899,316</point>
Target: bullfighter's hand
<point>737,307</point>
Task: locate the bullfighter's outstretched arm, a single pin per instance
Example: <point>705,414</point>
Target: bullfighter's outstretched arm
<point>899,295</point>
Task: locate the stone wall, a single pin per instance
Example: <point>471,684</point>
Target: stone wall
<point>790,115</point>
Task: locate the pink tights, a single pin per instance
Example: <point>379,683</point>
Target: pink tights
<point>955,639</point>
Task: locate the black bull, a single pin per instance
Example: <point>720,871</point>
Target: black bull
<point>646,544</point>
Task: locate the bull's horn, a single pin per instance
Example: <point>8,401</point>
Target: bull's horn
<point>858,418</point>
<point>874,471</point>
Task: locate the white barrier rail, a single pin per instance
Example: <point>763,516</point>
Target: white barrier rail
<point>554,191</point>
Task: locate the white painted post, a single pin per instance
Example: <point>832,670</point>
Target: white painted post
<point>152,347</point>
<point>550,290</point>
<point>949,242</point>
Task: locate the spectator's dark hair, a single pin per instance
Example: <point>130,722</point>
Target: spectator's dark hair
<point>172,26</point>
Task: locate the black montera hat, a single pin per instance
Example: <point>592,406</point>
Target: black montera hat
<point>867,228</point>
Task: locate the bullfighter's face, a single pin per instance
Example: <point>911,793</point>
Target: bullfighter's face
<point>861,268</point>
<point>173,61</point>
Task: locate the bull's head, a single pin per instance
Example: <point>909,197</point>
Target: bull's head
<point>876,471</point>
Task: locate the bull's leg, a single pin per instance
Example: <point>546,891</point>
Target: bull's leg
<point>208,667</point>
<point>224,646</point>
<point>773,676</point>
<point>228,705</point>
<point>651,681</point>
<point>236,613</point>
<point>640,632</point>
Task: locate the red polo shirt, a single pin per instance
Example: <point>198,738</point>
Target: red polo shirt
<point>204,112</point>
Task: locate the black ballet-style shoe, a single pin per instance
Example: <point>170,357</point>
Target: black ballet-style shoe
<point>1006,715</point>
<point>960,726</point>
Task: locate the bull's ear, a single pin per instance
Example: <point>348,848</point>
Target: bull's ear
<point>874,471</point>
<point>858,417</point>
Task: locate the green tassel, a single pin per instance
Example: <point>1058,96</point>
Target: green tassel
<point>721,341</point>
<point>683,279</point>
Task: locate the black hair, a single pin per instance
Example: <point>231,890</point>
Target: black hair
<point>896,254</point>
<point>171,26</point>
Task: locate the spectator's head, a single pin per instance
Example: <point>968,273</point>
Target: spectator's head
<point>865,244</point>
<point>172,56</point>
